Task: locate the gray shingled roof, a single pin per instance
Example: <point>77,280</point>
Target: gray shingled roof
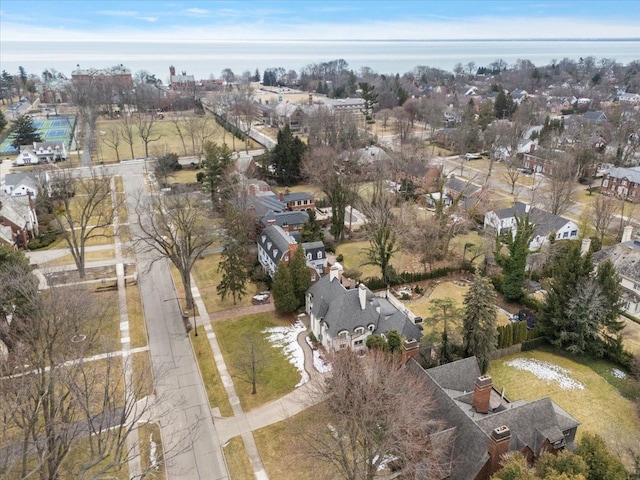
<point>631,174</point>
<point>296,217</point>
<point>19,178</point>
<point>544,221</point>
<point>275,242</point>
<point>530,423</point>
<point>462,187</point>
<point>625,257</point>
<point>340,309</point>
<point>296,196</point>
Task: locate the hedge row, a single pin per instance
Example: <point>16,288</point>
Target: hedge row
<point>512,334</point>
<point>376,283</point>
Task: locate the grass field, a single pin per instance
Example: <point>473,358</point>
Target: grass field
<point>237,460</point>
<point>168,141</point>
<point>276,376</point>
<point>599,407</point>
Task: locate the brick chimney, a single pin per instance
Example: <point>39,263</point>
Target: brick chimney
<point>627,233</point>
<point>409,350</point>
<point>499,440</point>
<point>482,394</point>
<point>586,246</point>
<point>362,295</point>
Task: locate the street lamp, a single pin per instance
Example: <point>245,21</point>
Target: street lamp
<point>195,325</point>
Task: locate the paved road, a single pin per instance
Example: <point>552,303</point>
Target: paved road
<point>188,433</point>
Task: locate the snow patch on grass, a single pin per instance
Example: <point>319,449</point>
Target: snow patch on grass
<point>618,373</point>
<point>547,371</point>
<point>287,339</point>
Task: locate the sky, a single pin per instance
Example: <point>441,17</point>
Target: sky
<point>189,21</point>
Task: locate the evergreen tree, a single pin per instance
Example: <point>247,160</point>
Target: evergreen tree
<point>217,160</point>
<point>311,230</point>
<point>283,291</point>
<point>504,105</point>
<point>480,320</point>
<point>394,341</point>
<point>515,262</point>
<point>287,157</point>
<point>234,267</point>
<point>601,463</point>
<point>24,132</point>
<point>377,342</point>
<point>3,121</point>
<point>300,275</point>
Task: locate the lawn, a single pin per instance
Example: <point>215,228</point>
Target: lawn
<point>281,447</point>
<point>142,374</point>
<point>169,141</point>
<point>237,459</point>
<point>207,277</point>
<point>599,407</point>
<point>213,384</point>
<point>448,289</point>
<point>276,376</point>
<point>355,257</point>
<point>137,327</point>
<point>146,433</point>
<point>93,256</point>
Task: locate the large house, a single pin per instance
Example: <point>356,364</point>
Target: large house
<point>275,246</point>
<point>626,260</point>
<point>485,425</point>
<point>18,221</point>
<point>622,183</point>
<point>25,184</point>
<point>41,152</point>
<point>545,223</point>
<point>344,317</point>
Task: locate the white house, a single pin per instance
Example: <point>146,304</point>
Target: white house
<point>41,152</point>
<point>25,184</point>
<point>545,224</point>
<point>275,246</point>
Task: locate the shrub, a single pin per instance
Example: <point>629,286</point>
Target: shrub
<point>340,258</point>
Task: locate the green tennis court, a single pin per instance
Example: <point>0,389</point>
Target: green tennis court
<point>57,129</point>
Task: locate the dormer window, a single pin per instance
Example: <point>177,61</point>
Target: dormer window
<point>319,254</point>
<point>275,252</point>
<point>359,331</point>
<point>264,238</point>
<point>371,327</point>
<point>309,256</point>
<point>269,245</point>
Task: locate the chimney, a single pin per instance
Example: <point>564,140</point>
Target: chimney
<point>586,246</point>
<point>271,221</point>
<point>362,295</point>
<point>334,272</point>
<point>172,70</point>
<point>281,196</point>
<point>627,233</point>
<point>499,440</point>
<point>311,99</point>
<point>409,350</point>
<point>482,394</point>
<point>286,190</point>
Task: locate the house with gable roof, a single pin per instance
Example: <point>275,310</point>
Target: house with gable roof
<point>625,257</point>
<point>485,425</point>
<point>545,223</point>
<point>41,152</point>
<point>344,317</point>
<point>25,184</point>
<point>622,183</point>
<point>275,245</point>
<point>18,221</point>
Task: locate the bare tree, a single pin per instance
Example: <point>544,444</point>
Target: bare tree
<point>177,227</point>
<point>112,139</point>
<point>87,209</point>
<point>602,214</point>
<point>65,416</point>
<point>511,172</point>
<point>127,129</point>
<point>561,185</point>
<point>147,127</point>
<point>377,412</point>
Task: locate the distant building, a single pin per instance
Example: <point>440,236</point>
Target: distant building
<point>182,82</point>
<point>117,75</point>
<point>622,183</point>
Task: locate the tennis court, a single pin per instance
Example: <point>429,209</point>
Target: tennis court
<point>58,129</point>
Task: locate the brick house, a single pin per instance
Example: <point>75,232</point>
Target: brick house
<point>484,425</point>
<point>18,221</point>
<point>297,200</point>
<point>622,183</point>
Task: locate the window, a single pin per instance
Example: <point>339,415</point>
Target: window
<point>565,235</point>
<point>319,254</point>
<point>372,327</point>
<point>605,183</point>
<point>275,252</point>
<point>264,237</point>
<point>359,331</point>
<point>269,245</point>
<point>574,233</point>
<point>309,256</point>
<point>358,343</point>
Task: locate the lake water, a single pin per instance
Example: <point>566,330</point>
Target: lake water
<point>210,58</point>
